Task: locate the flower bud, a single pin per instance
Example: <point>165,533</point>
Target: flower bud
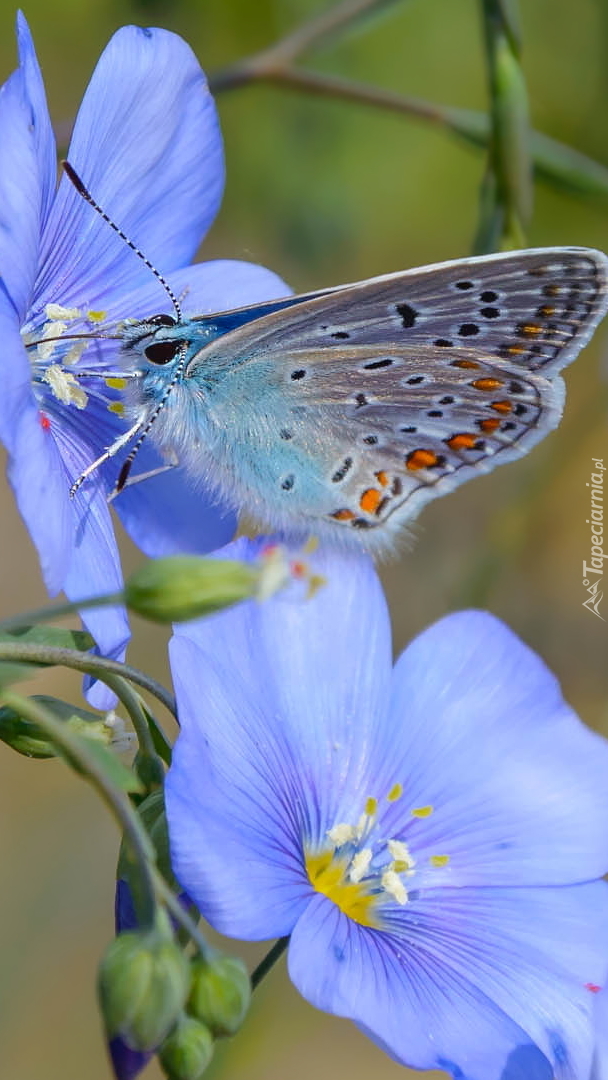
<point>143,983</point>
<point>27,738</point>
<point>220,993</point>
<point>187,1051</point>
<point>183,587</point>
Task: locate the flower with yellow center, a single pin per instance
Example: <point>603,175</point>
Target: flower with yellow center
<point>431,837</point>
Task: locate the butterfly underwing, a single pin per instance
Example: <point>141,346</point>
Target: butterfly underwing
<point>342,412</point>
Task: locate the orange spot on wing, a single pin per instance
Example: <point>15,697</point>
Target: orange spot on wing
<point>502,406</point>
<point>420,459</point>
<point>516,350</point>
<point>370,500</point>
<point>487,384</point>
<point>546,311</point>
<point>530,329</point>
<point>343,515</point>
<point>464,441</point>
<point>489,425</point>
<point>382,478</point>
<point>466,364</point>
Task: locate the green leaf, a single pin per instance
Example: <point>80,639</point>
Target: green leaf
<point>28,738</point>
<point>55,636</point>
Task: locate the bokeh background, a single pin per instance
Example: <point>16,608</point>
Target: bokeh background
<point>323,192</point>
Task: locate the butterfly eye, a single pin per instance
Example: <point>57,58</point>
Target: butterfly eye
<point>162,352</point>
<point>162,320</point>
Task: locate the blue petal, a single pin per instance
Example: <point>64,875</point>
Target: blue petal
<point>171,514</point>
<point>529,804</point>
<point>35,467</point>
<point>472,985</point>
<point>203,288</point>
<point>95,566</point>
<point>27,172</point>
<point>278,707</point>
<point>600,1058</point>
<point>43,134</point>
<point>147,144</point>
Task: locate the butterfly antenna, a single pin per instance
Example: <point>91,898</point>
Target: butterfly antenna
<point>125,468</point>
<point>86,195</point>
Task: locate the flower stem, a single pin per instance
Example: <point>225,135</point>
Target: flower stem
<point>76,749</point>
<point>97,666</point>
<point>269,961</point>
<point>56,611</point>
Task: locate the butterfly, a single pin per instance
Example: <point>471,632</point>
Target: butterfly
<point>341,413</point>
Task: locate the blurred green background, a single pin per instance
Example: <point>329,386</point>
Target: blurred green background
<point>323,192</point>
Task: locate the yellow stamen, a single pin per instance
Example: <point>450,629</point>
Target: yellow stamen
<point>422,811</point>
<point>439,860</point>
<point>395,793</point>
<point>328,875</point>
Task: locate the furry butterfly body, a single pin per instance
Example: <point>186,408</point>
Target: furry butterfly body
<point>342,412</point>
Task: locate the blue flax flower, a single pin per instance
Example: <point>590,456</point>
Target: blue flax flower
<point>147,143</point>
<point>431,836</point>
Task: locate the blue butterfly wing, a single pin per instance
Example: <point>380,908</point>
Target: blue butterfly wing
<point>345,411</point>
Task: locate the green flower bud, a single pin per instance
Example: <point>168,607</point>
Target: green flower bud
<point>187,1051</point>
<point>143,983</point>
<point>220,993</point>
<point>27,738</point>
<point>183,587</point>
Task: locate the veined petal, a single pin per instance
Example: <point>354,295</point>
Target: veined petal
<point>203,288</point>
<point>44,136</point>
<point>233,834</point>
<point>263,675</point>
<point>484,1000</point>
<point>600,1057</point>
<point>528,806</point>
<point>94,567</point>
<point>35,468</point>
<point>26,175</point>
<point>147,145</point>
<point>222,284</point>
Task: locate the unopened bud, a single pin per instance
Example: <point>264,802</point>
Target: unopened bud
<point>187,1051</point>
<point>143,983</point>
<point>27,738</point>
<point>184,587</point>
<point>220,993</point>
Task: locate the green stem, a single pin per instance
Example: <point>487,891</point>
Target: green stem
<point>276,58</point>
<point>76,749</point>
<point>56,611</point>
<point>269,961</point>
<point>509,157</point>
<point>133,706</point>
<point>180,915</point>
<point>97,666</point>
<point>553,161</point>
